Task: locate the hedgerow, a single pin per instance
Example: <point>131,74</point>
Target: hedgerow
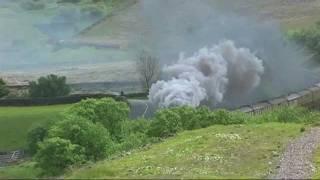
<point>97,129</point>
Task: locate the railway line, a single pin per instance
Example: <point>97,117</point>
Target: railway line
<point>309,97</point>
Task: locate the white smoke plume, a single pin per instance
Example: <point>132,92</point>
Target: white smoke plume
<point>207,76</point>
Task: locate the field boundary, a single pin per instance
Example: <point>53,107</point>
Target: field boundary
<point>56,100</point>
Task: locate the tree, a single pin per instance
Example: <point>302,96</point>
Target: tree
<point>49,86</point>
<point>148,68</point>
<point>94,138</point>
<point>56,154</point>
<point>34,137</point>
<point>4,91</point>
<point>107,111</point>
<point>309,38</point>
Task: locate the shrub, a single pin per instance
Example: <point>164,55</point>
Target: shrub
<point>56,154</point>
<point>94,138</point>
<point>133,140</point>
<point>206,117</point>
<point>135,126</point>
<point>190,118</point>
<point>34,137</point>
<point>166,123</point>
<point>288,114</point>
<point>4,91</point>
<point>107,111</point>
<point>50,86</point>
<point>225,117</point>
<point>134,134</point>
<point>308,37</point>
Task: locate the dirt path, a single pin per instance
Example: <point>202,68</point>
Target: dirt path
<point>296,162</point>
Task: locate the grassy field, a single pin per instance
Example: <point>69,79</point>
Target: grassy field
<point>237,151</point>
<point>22,171</point>
<point>16,121</point>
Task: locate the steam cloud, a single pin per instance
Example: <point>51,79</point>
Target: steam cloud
<point>168,27</point>
<point>207,76</point>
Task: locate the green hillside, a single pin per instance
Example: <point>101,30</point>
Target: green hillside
<point>237,151</point>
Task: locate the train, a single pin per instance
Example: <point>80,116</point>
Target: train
<point>309,98</point>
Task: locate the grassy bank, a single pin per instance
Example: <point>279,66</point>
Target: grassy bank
<point>234,151</point>
<point>16,121</point>
<point>25,170</point>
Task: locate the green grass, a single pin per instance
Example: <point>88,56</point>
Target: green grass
<point>25,170</point>
<point>16,121</point>
<point>236,151</point>
<point>316,162</point>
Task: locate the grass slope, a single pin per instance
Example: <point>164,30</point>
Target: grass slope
<point>25,170</point>
<point>16,121</point>
<point>237,151</point>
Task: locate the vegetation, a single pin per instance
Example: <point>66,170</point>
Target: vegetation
<point>4,91</point>
<point>26,170</point>
<point>87,125</point>
<point>234,151</point>
<point>309,38</point>
<point>17,121</point>
<point>316,162</point>
<point>50,86</point>
<point>36,135</point>
<point>148,68</point>
<point>84,130</point>
<point>107,111</point>
<point>56,154</point>
<point>93,130</point>
<point>93,138</point>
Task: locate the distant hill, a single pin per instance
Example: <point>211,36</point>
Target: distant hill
<point>290,13</point>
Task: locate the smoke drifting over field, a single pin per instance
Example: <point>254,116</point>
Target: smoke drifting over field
<point>174,26</point>
<point>31,34</point>
<point>207,75</point>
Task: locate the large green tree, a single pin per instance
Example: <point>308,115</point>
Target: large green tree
<point>49,86</point>
<point>94,138</point>
<point>106,111</point>
<point>4,91</point>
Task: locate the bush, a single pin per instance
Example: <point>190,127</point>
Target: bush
<point>50,86</point>
<point>136,126</point>
<point>206,117</point>
<point>133,140</point>
<point>190,118</point>
<point>34,137</point>
<point>107,111</point>
<point>309,38</point>
<point>4,91</point>
<point>166,123</point>
<point>94,138</point>
<point>225,117</point>
<point>56,154</point>
<point>134,134</point>
<point>288,114</point>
